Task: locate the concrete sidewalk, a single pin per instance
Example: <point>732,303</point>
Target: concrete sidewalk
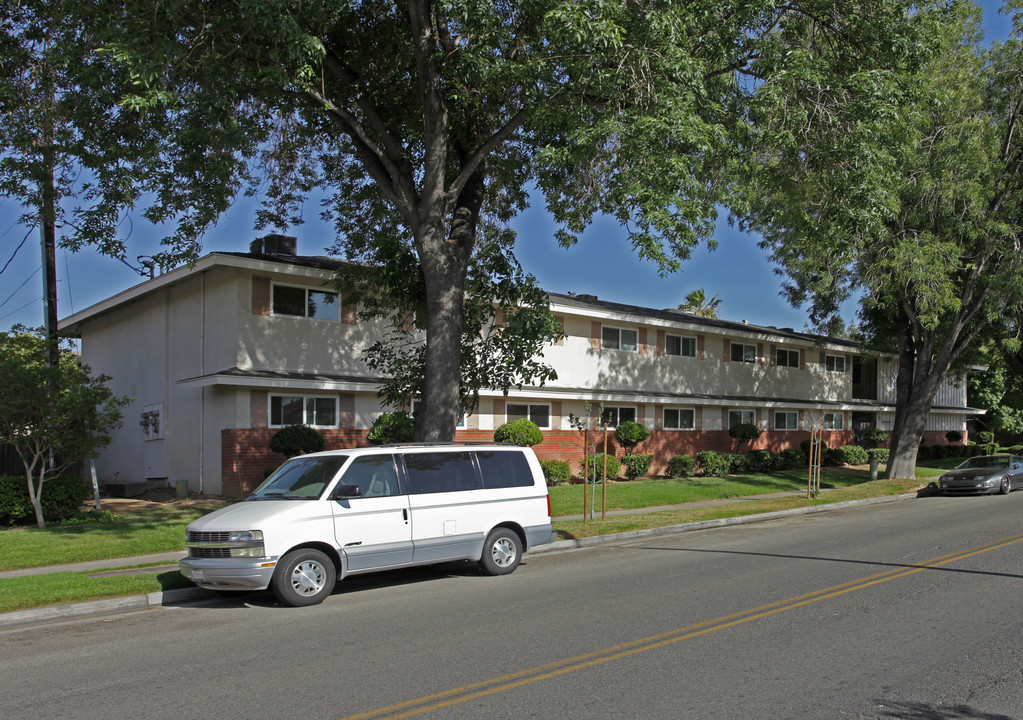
<point>162,561</point>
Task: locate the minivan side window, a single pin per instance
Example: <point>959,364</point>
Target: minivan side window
<point>374,474</point>
<point>504,469</point>
<point>440,472</point>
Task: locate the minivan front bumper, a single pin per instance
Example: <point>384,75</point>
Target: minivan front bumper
<point>229,573</point>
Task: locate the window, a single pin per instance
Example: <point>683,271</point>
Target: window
<point>440,472</point>
<point>539,414</point>
<point>739,417</point>
<point>304,302</point>
<point>318,411</point>
<point>834,421</point>
<point>619,339</point>
<point>834,363</point>
<point>786,421</point>
<point>504,469</point>
<point>679,419</point>
<point>615,416</point>
<point>680,345</point>
<point>374,475</point>
<point>744,353</point>
<point>787,358</point>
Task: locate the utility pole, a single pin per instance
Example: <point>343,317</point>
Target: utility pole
<point>48,215</point>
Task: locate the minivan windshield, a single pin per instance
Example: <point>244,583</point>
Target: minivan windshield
<point>300,478</point>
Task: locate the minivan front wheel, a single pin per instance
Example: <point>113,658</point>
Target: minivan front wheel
<point>303,577</point>
<point>502,552</point>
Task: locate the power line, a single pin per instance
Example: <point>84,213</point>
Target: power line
<point>34,273</point>
<point>15,249</point>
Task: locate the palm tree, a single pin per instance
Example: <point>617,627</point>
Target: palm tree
<point>697,303</point>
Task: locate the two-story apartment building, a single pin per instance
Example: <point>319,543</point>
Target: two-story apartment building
<point>219,356</point>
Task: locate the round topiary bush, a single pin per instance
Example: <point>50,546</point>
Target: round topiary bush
<point>681,466</point>
<point>522,432</point>
<point>636,465</point>
<point>744,432</point>
<point>985,437</point>
<point>392,427</point>
<point>953,437</point>
<point>293,440</point>
<point>556,472</point>
<point>629,434</point>
<point>875,438</point>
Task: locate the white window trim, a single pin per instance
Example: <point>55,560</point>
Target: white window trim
<point>529,413</point>
<point>664,424</point>
<point>843,358</point>
<point>619,408</point>
<point>786,413</point>
<point>307,289</point>
<point>620,330</point>
<point>681,343</point>
<point>305,397</point>
<point>841,421</point>
<point>744,346</point>
<point>743,411</point>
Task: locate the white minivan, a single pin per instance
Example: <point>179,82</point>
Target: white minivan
<point>323,516</point>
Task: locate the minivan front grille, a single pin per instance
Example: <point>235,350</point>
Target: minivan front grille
<point>207,552</point>
<point>208,537</point>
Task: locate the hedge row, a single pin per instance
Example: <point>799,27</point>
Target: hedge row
<point>62,499</point>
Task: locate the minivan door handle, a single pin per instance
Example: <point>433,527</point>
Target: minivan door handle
<point>404,514</point>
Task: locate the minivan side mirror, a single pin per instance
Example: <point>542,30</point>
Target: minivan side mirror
<point>346,491</point>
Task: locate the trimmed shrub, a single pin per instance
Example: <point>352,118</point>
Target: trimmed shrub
<point>985,437</point>
<point>737,463</point>
<point>636,465</point>
<point>988,449</point>
<point>744,432</point>
<point>62,498</point>
<point>763,461</point>
<point>953,437</point>
<point>875,438</point>
<point>522,432</point>
<point>793,458</point>
<point>629,434</point>
<point>939,452</point>
<point>924,453</point>
<point>713,463</point>
<point>614,466</point>
<point>681,466</point>
<point>832,458</point>
<point>880,453</point>
<point>293,440</point>
<point>556,472</point>
<point>851,455</point>
<point>392,427</point>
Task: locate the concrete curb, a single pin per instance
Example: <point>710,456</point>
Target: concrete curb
<point>134,603</point>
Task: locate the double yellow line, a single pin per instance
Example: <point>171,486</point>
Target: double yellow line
<point>618,652</point>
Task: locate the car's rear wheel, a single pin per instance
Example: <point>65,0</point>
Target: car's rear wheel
<point>1005,486</point>
<point>502,552</point>
<point>303,577</point>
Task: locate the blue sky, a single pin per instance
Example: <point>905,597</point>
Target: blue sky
<point>602,263</point>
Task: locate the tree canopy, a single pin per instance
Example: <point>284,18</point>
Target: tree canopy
<point>425,123</point>
<point>916,205</point>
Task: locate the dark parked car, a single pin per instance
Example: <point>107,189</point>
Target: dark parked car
<point>984,474</point>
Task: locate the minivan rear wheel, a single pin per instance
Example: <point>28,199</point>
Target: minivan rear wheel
<point>303,577</point>
<point>502,552</point>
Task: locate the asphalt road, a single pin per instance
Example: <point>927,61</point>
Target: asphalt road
<point>907,610</point>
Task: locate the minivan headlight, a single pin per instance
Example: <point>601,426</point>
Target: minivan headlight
<point>247,544</point>
<point>246,536</point>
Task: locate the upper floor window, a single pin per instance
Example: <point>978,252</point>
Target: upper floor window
<point>744,353</point>
<point>304,302</point>
<point>786,421</point>
<point>315,410</point>
<point>834,363</point>
<point>834,421</point>
<point>680,345</point>
<point>613,338</point>
<point>739,417</point>
<point>787,358</point>
<point>539,414</point>
<point>679,419</point>
<point>615,416</point>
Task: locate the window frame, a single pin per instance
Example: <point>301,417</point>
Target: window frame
<point>683,342</point>
<point>305,398</point>
<point>833,426</point>
<point>529,413</point>
<point>680,427</point>
<point>742,415</point>
<point>788,414</point>
<point>306,290</point>
<point>617,409</point>
<point>742,355</point>
<point>788,355</point>
<point>619,330</point>
<point>833,360</point>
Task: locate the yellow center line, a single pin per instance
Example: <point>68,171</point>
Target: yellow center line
<point>510,681</point>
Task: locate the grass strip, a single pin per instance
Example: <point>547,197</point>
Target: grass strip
<point>22,593</point>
